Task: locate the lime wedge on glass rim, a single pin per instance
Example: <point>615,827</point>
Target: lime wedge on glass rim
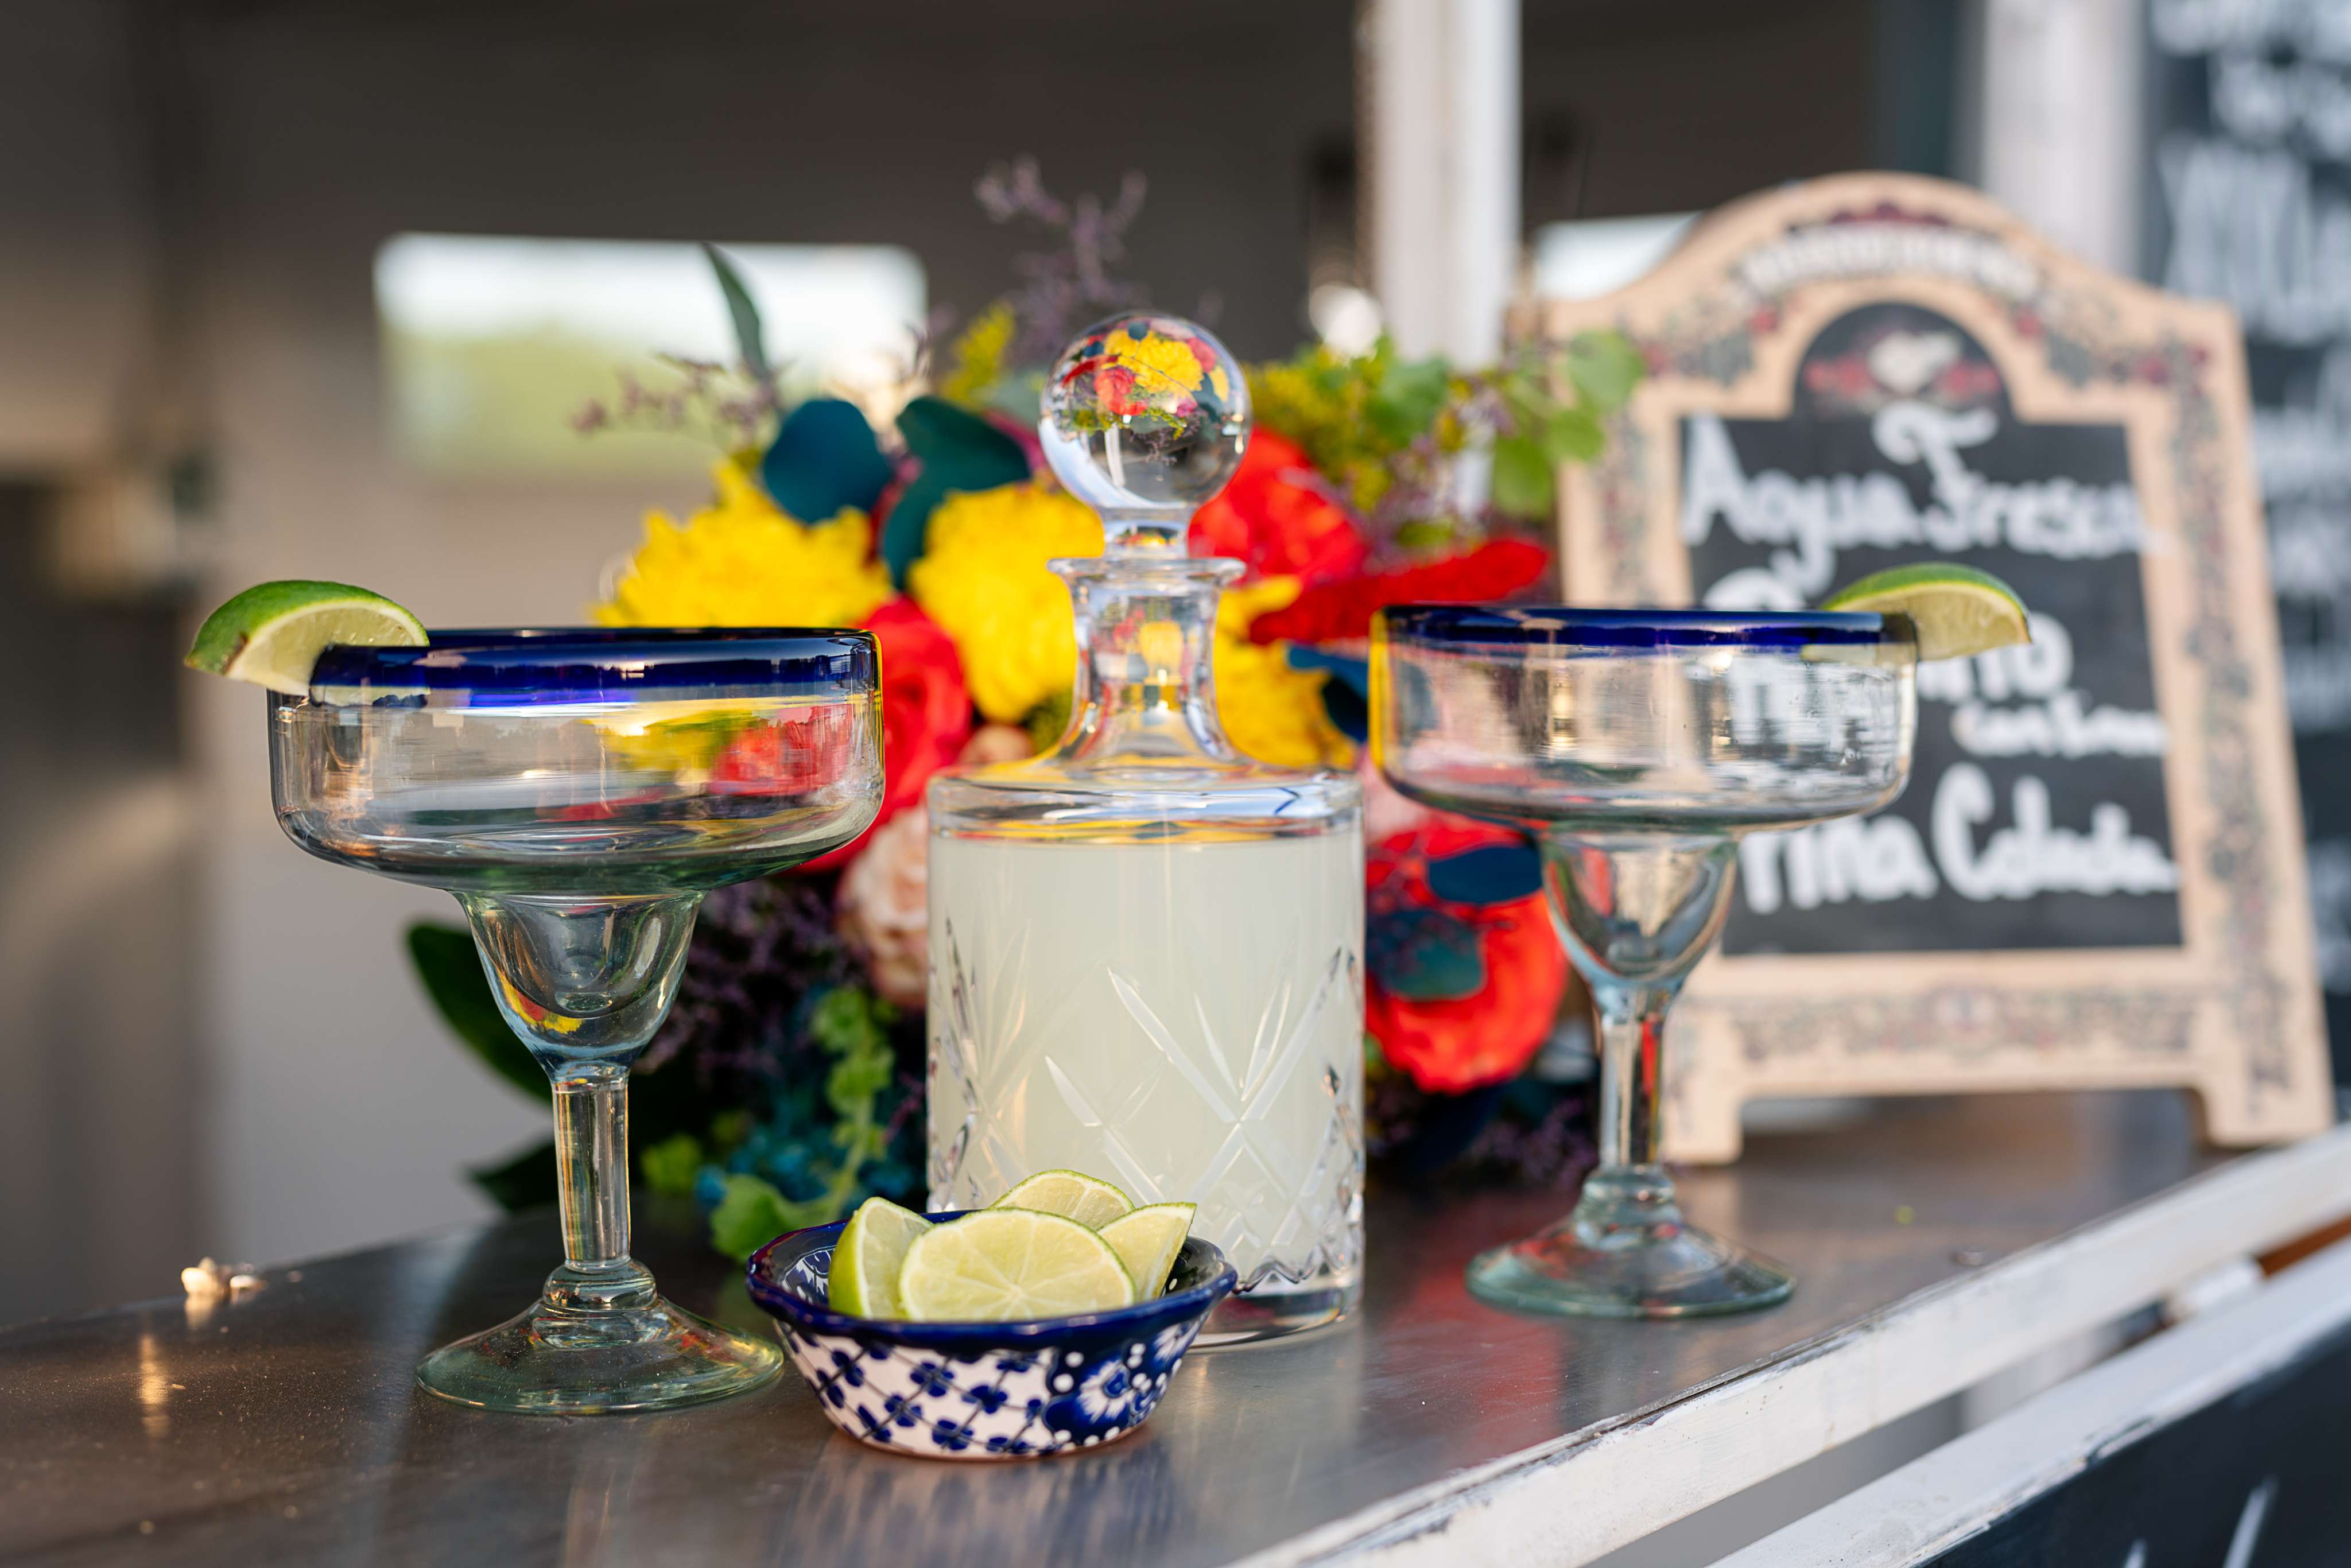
<point>1147,1239</point>
<point>1956,608</point>
<point>863,1279</point>
<point>1010,1265</point>
<point>1089,1200</point>
<point>271,636</point>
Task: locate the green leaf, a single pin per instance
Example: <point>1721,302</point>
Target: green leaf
<point>824,458</point>
<point>1523,478</point>
<point>959,451</point>
<point>750,338</point>
<point>750,1215</point>
<point>1605,368</point>
<point>450,970</point>
<point>529,1180</point>
<point>1572,436</point>
<point>1410,394</point>
<point>670,1166</point>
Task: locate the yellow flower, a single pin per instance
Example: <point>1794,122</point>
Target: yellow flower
<point>1157,362</point>
<point>982,576</point>
<point>1270,711</point>
<point>978,356</point>
<point>743,561</point>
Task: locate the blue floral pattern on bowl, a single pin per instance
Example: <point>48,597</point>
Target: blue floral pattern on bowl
<point>982,1391</point>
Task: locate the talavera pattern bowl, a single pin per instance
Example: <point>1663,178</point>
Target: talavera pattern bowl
<point>983,1391</point>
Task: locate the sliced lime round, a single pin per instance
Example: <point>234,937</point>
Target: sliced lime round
<point>271,636</point>
<point>1146,1240</point>
<point>867,1258</point>
<point>1957,610</point>
<point>1073,1194</point>
<point>1010,1265</point>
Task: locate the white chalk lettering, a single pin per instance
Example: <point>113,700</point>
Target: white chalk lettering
<point>1876,860</point>
<point>2033,855</point>
<point>1809,520</point>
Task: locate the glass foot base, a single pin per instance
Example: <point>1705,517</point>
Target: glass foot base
<point>1684,1272</point>
<point>563,1361</point>
<point>1271,1315</point>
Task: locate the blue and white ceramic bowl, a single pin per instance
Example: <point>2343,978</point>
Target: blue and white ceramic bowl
<point>983,1391</point>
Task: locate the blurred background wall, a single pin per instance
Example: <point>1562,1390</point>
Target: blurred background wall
<point>212,1043</point>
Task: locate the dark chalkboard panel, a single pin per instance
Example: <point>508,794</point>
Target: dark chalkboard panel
<point>2037,816</point>
<point>2261,1478</point>
<point>2252,176</point>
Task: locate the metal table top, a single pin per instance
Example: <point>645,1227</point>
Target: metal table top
<point>286,1429</point>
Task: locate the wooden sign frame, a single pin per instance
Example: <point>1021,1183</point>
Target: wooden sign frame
<point>2233,1012</point>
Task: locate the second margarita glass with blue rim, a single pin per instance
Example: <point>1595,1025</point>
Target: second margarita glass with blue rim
<point>1637,746</point>
<point>578,791</point>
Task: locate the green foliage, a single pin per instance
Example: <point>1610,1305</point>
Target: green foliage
<point>959,451</point>
<point>751,1214</point>
<point>1405,396</point>
<point>1603,368</point>
<point>751,337</point>
<point>1383,427</point>
<point>853,1026</point>
<point>824,458</point>
<point>451,973</point>
<point>670,1166</point>
<point>1523,478</point>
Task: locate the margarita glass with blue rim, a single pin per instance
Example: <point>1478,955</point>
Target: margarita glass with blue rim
<point>1637,748</point>
<point>578,791</point>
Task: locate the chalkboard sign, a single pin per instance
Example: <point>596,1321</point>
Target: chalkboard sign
<point>2252,173</point>
<point>2254,1480</point>
<point>2096,875</point>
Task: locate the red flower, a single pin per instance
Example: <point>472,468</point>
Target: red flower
<point>926,712</point>
<point>1277,517</point>
<point>1334,611</point>
<point>1453,1046</point>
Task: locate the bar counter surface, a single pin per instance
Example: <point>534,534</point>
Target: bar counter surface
<point>1934,1242</point>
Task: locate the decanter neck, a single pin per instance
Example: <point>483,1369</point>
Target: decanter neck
<point>1146,688</point>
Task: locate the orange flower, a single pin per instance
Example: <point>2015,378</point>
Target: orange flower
<point>1451,1045</point>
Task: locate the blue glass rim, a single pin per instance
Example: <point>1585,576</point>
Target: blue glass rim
<point>1561,625</point>
<point>620,664</point>
<point>768,1291</point>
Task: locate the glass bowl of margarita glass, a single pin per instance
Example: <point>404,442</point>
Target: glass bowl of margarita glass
<point>1635,748</point>
<point>578,791</point>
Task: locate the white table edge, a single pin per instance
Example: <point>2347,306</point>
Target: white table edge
<point>1585,1493</point>
<point>1928,1506</point>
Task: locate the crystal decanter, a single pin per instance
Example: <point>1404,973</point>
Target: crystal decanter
<point>1146,947</point>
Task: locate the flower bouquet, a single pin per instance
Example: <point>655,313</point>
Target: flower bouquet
<point>787,1083</point>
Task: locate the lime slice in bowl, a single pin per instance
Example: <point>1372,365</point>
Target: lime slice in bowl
<point>270,635</point>
<point>863,1279</point>
<point>1957,610</point>
<point>1146,1240</point>
<point>1073,1194</point>
<point>1010,1265</point>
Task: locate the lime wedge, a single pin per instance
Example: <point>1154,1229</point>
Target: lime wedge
<point>270,635</point>
<point>1147,1239</point>
<point>867,1258</point>
<point>1008,1265</point>
<point>1073,1194</point>
<point>1957,610</point>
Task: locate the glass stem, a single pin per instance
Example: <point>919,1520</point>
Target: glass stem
<point>591,1158</point>
<point>1629,1199</point>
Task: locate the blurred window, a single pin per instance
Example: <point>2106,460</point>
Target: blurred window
<point>493,345</point>
<point>1586,259</point>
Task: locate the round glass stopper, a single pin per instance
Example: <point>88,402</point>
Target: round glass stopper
<point>1145,417</point>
